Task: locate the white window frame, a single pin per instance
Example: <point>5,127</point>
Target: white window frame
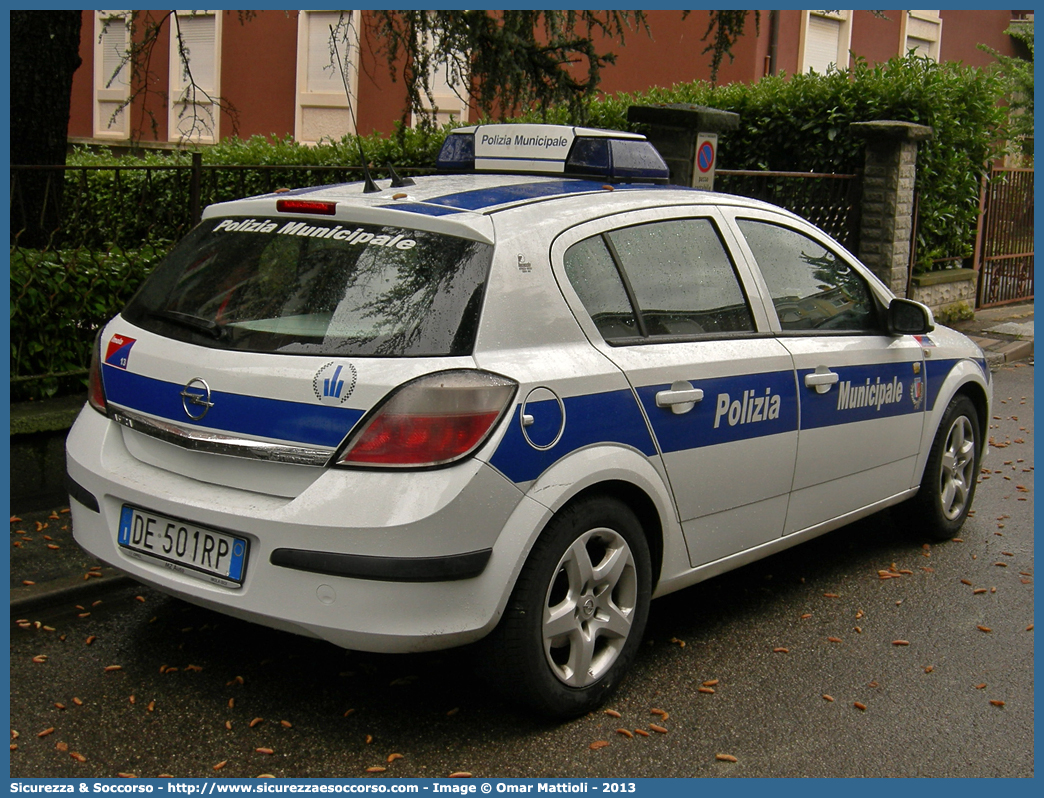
<point>208,112</point>
<point>844,37</point>
<point>921,26</point>
<point>118,92</point>
<point>446,104</point>
<point>317,108</point>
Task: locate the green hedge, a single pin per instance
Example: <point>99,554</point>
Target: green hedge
<point>59,300</point>
<point>787,123</point>
<point>801,123</point>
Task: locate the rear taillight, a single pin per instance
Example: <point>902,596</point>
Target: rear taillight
<point>431,421</point>
<point>95,389</point>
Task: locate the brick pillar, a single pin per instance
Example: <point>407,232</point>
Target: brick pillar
<point>673,129</point>
<point>886,226</point>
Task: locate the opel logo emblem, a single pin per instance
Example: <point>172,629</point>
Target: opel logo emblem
<point>195,398</point>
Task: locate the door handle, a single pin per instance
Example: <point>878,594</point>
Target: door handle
<point>821,379</point>
<point>680,398</point>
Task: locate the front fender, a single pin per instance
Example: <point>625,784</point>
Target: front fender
<point>947,378</point>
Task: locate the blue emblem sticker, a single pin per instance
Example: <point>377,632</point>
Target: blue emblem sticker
<point>334,382</point>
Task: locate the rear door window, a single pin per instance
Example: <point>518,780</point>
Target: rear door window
<point>311,287</point>
<point>670,280</point>
<point>594,276</point>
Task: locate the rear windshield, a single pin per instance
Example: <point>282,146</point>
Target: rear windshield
<point>317,287</point>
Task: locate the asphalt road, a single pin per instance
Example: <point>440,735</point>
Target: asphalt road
<point>797,657</point>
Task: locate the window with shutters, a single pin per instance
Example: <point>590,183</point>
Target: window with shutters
<point>449,94</point>
<point>922,33</point>
<point>195,76</point>
<point>826,37</point>
<point>327,74</point>
<point>111,74</point>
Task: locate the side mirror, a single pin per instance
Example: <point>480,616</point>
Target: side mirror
<point>906,317</point>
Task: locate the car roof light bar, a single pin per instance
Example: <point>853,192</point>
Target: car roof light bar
<point>610,155</point>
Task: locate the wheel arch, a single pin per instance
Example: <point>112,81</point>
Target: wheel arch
<point>967,379</point>
<point>625,473</point>
<point>975,392</point>
<point>642,505</point>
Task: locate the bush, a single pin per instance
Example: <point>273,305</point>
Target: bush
<point>116,202</point>
<point>959,311</point>
<point>787,123</point>
<point>59,300</point>
<point>801,123</point>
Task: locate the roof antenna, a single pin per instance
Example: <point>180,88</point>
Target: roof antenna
<point>370,187</point>
<point>398,182</point>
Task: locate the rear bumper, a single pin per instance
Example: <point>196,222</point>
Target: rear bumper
<point>373,561</point>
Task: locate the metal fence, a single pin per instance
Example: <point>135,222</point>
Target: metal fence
<point>829,201</point>
<point>1004,245</point>
<point>128,206</point>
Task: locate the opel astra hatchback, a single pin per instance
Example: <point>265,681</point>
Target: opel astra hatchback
<point>518,398</point>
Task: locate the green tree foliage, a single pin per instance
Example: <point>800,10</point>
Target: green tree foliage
<point>146,29</point>
<point>723,30</point>
<point>509,60</point>
<point>1018,74</point>
<point>506,61</point>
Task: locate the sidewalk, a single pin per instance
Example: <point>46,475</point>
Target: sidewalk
<point>1005,333</point>
<point>48,567</point>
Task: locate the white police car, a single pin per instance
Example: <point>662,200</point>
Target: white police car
<point>406,418</point>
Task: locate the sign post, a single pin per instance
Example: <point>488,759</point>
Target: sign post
<point>706,160</point>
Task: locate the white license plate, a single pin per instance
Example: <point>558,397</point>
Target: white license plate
<point>184,547</point>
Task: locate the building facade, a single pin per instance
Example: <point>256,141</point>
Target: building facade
<point>279,73</point>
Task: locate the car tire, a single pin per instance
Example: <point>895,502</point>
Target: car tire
<point>950,475</point>
<point>577,614</point>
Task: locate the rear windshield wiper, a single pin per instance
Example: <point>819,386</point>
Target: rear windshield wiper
<point>194,323</point>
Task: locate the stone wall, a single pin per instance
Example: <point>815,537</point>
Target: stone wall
<point>939,290</point>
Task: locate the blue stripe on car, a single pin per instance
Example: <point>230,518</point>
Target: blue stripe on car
<point>937,371</point>
<point>483,199</point>
<point>863,393</point>
<point>611,417</point>
<point>420,207</point>
<point>732,409</point>
<point>315,424</point>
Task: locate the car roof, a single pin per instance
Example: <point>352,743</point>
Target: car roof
<point>463,199</point>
